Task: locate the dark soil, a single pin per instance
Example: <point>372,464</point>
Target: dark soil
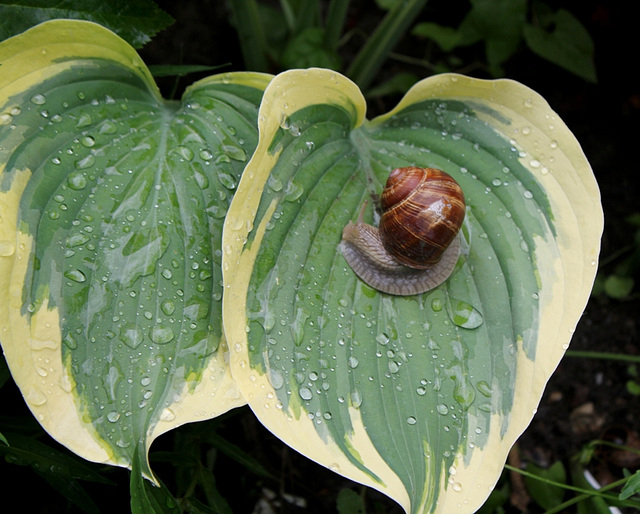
<point>585,400</point>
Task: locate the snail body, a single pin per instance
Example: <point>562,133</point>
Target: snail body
<point>415,247</point>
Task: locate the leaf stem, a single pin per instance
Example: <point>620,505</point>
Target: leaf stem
<point>584,493</point>
<point>372,55</point>
<point>334,24</point>
<point>603,355</point>
<point>251,34</point>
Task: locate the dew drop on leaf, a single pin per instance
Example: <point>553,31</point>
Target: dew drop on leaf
<point>275,378</point>
<point>464,314</point>
<point>77,181</point>
<point>38,99</point>
<point>113,416</point>
<point>85,162</point>
<point>131,335</point>
<point>6,248</point>
<point>305,393</point>
<point>76,275</point>
<point>161,334</point>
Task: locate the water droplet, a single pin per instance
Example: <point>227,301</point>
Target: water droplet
<point>237,153</point>
<point>205,155</point>
<point>305,393</point>
<point>77,240</point>
<point>83,120</point>
<point>168,307</point>
<point>274,183</point>
<point>70,341</point>
<point>437,304</point>
<point>185,153</point>
<point>7,248</point>
<point>442,409</point>
<point>382,338</point>
<point>87,141</point>
<point>38,99</point>
<point>276,379</point>
<point>113,416</point>
<point>227,180</point>
<point>85,162</point>
<point>161,334</point>
<point>353,362</point>
<point>465,315</point>
<point>167,415</point>
<point>36,397</point>
<point>293,192</point>
<point>77,181</point>
<point>411,420</point>
<point>484,388</point>
<point>131,335</point>
<point>108,127</point>
<point>356,399</point>
<point>76,275</point>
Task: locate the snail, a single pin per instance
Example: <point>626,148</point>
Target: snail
<point>415,247</point>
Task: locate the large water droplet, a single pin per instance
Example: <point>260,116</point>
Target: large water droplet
<point>184,152</point>
<point>38,99</point>
<point>168,307</point>
<point>77,181</point>
<point>227,180</point>
<point>83,120</point>
<point>442,409</point>
<point>464,314</point>
<point>7,248</point>
<point>167,415</point>
<point>87,141</point>
<point>161,334</point>
<point>85,162</point>
<point>305,393</point>
<point>131,335</point>
<point>484,388</point>
<point>237,153</point>
<point>76,275</point>
<point>276,379</point>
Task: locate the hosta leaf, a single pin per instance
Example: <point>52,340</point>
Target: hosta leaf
<point>420,397</point>
<point>136,21</point>
<point>111,209</point>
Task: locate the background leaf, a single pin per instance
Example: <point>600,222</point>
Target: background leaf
<point>563,40</point>
<point>401,393</point>
<point>136,21</point>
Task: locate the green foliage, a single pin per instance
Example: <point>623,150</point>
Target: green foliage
<point>350,502</point>
<point>135,21</point>
<point>542,491</point>
<point>301,35</point>
<point>503,26</point>
<point>619,271</point>
<point>631,487</point>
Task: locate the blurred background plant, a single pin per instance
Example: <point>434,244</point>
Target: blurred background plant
<point>305,33</point>
<point>585,434</point>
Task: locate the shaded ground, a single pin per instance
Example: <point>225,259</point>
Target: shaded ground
<point>584,399</point>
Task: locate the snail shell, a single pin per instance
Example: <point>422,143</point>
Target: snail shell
<point>416,248</point>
